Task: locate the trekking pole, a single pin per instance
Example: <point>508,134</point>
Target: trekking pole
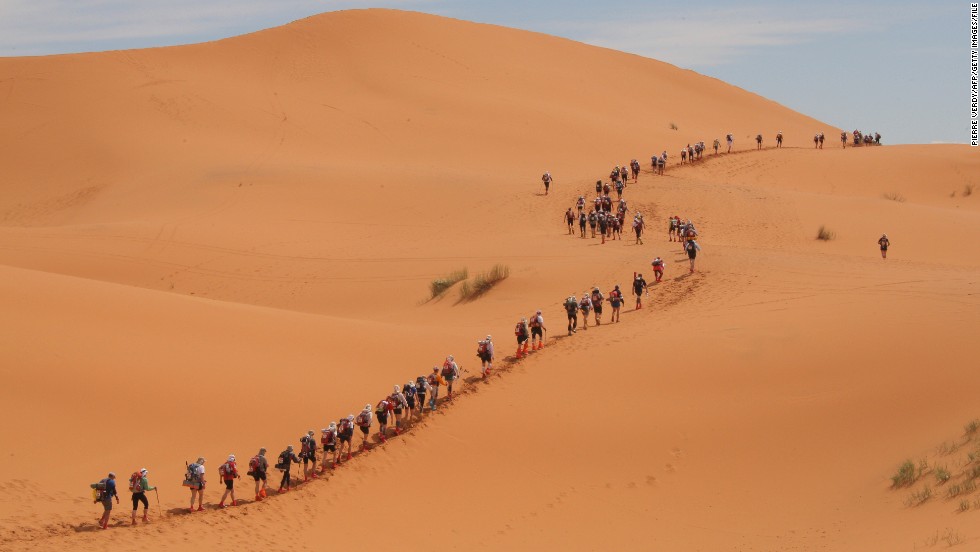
<point>157,491</point>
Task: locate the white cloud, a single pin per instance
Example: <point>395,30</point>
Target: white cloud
<point>48,26</point>
<point>704,38</point>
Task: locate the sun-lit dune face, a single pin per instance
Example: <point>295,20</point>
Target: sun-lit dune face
<point>213,248</point>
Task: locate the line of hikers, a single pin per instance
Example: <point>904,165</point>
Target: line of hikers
<point>400,407</point>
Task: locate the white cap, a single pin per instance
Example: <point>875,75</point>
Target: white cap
<point>231,457</point>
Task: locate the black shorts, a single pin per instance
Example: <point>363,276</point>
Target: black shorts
<point>382,418</point>
<point>398,412</point>
<point>521,339</point>
<point>585,311</point>
<point>411,402</point>
<point>573,316</point>
<point>536,332</point>
<point>107,504</point>
<point>258,475</point>
<point>229,484</point>
<point>692,253</point>
<point>597,308</point>
<point>485,357</point>
<point>329,448</point>
<point>346,437</point>
<point>309,457</point>
<point>140,497</point>
<point>365,429</point>
<point>614,305</point>
<point>884,248</point>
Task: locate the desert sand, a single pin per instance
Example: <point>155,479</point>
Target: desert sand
<point>210,248</point>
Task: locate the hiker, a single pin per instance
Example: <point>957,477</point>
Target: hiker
<point>229,473</point>
<point>328,438</point>
<point>105,491</point>
<point>593,220</point>
<point>546,178</point>
<point>582,219</point>
<point>381,413</point>
<point>758,141</point>
<point>692,249</point>
<point>607,188</point>
<point>537,329</point>
<point>672,227</point>
<point>635,169</point>
<point>285,464</point>
<point>877,139</point>
<point>363,421</point>
<point>638,228</point>
<point>522,333</point>
<point>616,225</point>
<point>683,155</point>
<point>138,485</point>
<point>570,221</point>
<point>411,393</point>
<point>434,380</point>
<point>398,404</point>
<point>450,373</point>
<point>258,467</point>
<point>816,140</point>
<point>597,300</point>
<point>603,226</point>
<point>307,452</point>
<point>883,243</point>
<point>623,174</point>
<point>421,388</point>
<point>585,305</point>
<point>639,287</point>
<point>195,480</point>
<point>620,185</point>
<point>485,352</point>
<point>606,203</point>
<point>821,140</point>
<point>661,163</point>
<point>658,268</point>
<point>345,433</point>
<point>580,204</point>
<point>598,187</point>
<point>615,301</point>
<point>730,140</point>
<point>716,144</point>
<point>571,308</point>
<point>779,139</point>
<point>843,139</point>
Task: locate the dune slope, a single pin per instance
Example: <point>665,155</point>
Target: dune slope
<point>211,248</point>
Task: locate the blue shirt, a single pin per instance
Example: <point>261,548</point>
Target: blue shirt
<point>110,488</point>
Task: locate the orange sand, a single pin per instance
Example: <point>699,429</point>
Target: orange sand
<point>211,248</point>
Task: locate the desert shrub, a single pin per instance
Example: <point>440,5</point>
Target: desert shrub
<point>968,190</point>
<point>893,196</point>
<point>905,475</point>
<point>673,126</point>
<point>482,283</point>
<point>942,474</point>
<point>916,498</point>
<point>825,234</point>
<point>971,427</point>
<point>439,286</point>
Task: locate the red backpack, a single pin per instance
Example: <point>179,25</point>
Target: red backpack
<point>254,464</point>
<point>136,482</point>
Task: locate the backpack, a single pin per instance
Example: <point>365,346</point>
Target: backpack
<point>254,465</point>
<point>306,444</point>
<point>346,426</point>
<point>571,306</point>
<point>98,490</point>
<point>328,438</point>
<point>481,348</point>
<point>136,483</point>
<point>192,479</point>
<point>420,383</point>
<point>658,263</point>
<point>535,321</point>
<point>596,297</point>
<point>225,470</point>
<point>447,370</point>
<point>283,459</point>
<point>361,419</point>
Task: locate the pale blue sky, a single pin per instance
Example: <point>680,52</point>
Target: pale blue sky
<point>900,67</point>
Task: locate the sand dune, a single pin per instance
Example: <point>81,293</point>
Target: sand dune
<point>211,248</point>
